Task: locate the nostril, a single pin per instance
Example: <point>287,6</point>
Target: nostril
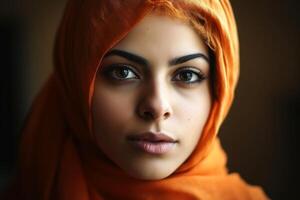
<point>148,115</point>
<point>166,115</point>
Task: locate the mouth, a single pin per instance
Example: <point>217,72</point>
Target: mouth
<point>152,143</point>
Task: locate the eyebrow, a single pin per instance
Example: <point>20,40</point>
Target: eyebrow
<point>142,61</point>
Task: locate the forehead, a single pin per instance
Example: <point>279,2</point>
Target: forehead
<point>162,35</point>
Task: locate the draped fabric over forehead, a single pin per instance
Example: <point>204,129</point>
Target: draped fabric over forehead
<point>59,158</point>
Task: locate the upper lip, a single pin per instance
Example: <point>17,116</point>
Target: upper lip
<point>152,137</point>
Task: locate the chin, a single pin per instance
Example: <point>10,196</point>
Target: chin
<point>151,173</point>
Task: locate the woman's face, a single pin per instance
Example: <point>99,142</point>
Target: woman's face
<point>152,97</point>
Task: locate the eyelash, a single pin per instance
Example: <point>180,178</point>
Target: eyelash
<point>111,69</point>
<point>199,75</point>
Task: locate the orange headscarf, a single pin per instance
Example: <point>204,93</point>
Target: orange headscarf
<point>59,158</point>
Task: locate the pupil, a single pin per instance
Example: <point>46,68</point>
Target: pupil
<point>186,76</point>
<point>123,73</point>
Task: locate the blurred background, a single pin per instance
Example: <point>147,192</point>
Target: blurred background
<point>261,131</point>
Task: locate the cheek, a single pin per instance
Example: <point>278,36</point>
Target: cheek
<point>111,112</point>
<point>193,112</point>
<point>194,108</point>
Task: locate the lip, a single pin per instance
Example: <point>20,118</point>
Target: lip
<point>152,143</point>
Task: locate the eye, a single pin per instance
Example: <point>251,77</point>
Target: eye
<point>121,72</point>
<point>189,76</point>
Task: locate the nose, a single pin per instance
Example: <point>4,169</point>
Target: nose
<point>154,103</point>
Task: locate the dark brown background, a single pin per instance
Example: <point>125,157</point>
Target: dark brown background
<point>261,132</point>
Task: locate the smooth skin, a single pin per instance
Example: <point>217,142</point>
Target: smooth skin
<point>157,78</point>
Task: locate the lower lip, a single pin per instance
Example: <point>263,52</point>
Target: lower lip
<point>153,147</point>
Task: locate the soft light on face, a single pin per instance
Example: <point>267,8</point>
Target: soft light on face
<point>155,79</point>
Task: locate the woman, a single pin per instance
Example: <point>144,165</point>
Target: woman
<point>134,104</point>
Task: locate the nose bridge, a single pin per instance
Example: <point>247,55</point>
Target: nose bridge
<point>157,89</point>
<point>157,93</point>
<point>155,99</point>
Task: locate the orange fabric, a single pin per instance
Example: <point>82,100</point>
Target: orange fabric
<point>59,158</point>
